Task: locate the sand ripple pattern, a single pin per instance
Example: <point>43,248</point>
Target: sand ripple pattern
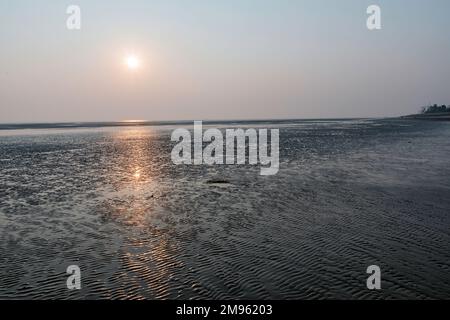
<point>349,194</point>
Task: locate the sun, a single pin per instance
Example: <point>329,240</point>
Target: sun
<point>132,62</point>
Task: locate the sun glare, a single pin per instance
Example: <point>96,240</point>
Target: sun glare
<point>132,62</point>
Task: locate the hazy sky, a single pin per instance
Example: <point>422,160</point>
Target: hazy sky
<point>221,59</point>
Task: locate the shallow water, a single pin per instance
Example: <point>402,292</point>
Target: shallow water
<point>349,194</point>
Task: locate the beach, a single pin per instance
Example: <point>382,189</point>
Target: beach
<point>348,194</point>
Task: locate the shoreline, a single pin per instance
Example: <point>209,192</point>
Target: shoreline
<point>444,116</point>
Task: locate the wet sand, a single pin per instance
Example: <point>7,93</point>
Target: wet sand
<point>349,194</point>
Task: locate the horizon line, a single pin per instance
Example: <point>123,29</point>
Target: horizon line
<point>143,123</point>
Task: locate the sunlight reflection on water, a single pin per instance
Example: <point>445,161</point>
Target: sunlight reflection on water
<point>348,194</point>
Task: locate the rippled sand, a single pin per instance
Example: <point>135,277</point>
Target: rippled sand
<point>349,194</point>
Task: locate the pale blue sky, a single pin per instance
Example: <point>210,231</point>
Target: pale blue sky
<point>211,59</point>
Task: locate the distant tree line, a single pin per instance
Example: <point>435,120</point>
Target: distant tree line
<point>435,109</point>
